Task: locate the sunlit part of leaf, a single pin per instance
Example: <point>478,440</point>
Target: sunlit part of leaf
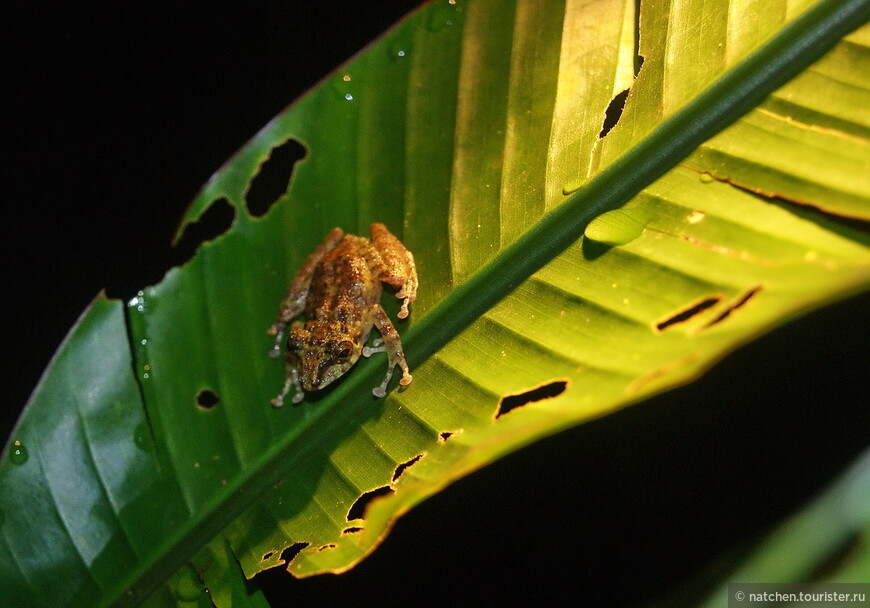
<point>465,145</point>
<point>810,141</point>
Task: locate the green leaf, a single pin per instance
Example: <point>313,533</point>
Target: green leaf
<point>472,130</point>
<point>793,551</point>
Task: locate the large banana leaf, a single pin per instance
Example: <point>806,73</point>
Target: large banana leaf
<point>473,130</point>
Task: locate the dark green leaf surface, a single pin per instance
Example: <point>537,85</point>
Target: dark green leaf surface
<point>471,129</point>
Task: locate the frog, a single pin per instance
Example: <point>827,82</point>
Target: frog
<point>338,292</point>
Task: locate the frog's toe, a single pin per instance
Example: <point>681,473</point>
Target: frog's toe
<point>403,313</point>
<point>406,380</point>
<point>379,392</point>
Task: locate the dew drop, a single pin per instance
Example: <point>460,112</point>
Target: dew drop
<point>141,437</point>
<point>695,216</point>
<point>398,51</point>
<point>618,227</point>
<point>18,453</point>
<point>343,85</point>
<point>443,16</point>
<point>706,178</point>
<point>144,342</point>
<point>573,185</point>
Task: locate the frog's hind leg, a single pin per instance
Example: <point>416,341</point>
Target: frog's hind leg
<point>397,267</point>
<point>393,347</point>
<point>294,301</point>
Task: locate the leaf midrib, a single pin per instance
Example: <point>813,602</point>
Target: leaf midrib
<point>743,87</point>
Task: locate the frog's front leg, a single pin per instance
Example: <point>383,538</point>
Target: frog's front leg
<point>397,266</point>
<point>393,347</point>
<point>294,301</point>
<point>291,379</point>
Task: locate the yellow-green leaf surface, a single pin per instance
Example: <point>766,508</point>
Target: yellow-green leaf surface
<point>474,130</point>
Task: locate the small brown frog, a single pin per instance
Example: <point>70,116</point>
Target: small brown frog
<point>339,291</point>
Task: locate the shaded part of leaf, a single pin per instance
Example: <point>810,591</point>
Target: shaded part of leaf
<point>358,508</point>
<point>215,221</point>
<point>272,180</point>
<point>691,311</point>
<point>853,228</point>
<point>545,391</point>
<point>352,530</point>
<point>613,112</point>
<point>848,551</point>
<point>793,204</point>
<point>206,399</point>
<point>402,467</point>
<point>737,304</point>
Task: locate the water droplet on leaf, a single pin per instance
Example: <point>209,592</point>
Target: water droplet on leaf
<point>706,178</point>
<point>141,437</point>
<point>618,227</point>
<point>443,15</point>
<point>18,453</point>
<point>398,50</point>
<point>573,185</point>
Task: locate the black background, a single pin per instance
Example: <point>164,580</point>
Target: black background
<point>117,117</point>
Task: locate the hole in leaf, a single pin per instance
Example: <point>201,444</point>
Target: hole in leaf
<point>401,468</point>
<point>739,303</point>
<point>687,313</point>
<point>216,220</point>
<point>351,530</point>
<point>273,179</point>
<point>545,391</point>
<point>613,112</point>
<point>267,556</point>
<point>206,399</point>
<point>444,436</point>
<point>329,546</point>
<point>357,509</point>
<point>290,553</point>
<point>638,62</point>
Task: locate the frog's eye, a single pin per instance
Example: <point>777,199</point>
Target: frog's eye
<point>343,351</point>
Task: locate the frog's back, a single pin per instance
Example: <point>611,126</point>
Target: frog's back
<point>343,275</point>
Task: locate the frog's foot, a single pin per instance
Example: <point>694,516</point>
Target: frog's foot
<point>376,347</point>
<point>403,313</point>
<point>381,391</point>
<point>292,380</point>
<point>278,332</point>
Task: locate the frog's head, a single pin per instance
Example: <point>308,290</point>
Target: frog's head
<point>324,351</point>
